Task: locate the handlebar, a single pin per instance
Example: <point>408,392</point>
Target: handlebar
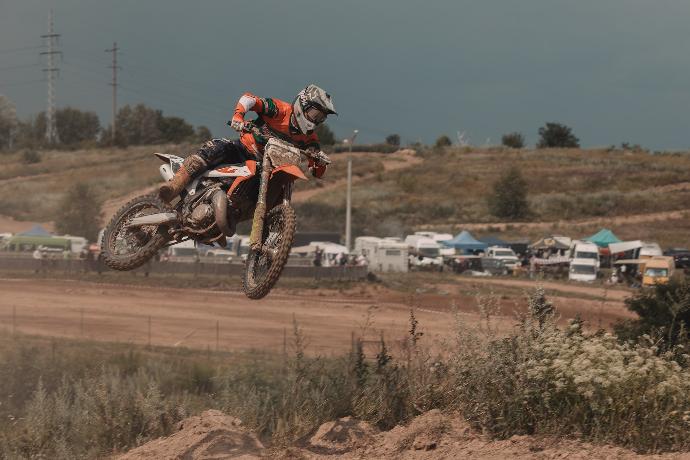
<point>318,157</point>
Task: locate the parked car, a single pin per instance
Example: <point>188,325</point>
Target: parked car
<point>494,266</point>
<point>681,257</point>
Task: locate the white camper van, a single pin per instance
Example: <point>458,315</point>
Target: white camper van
<point>383,254</point>
<point>424,253</point>
<point>584,261</point>
<point>438,237</point>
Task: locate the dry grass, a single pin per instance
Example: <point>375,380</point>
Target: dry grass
<point>65,399</point>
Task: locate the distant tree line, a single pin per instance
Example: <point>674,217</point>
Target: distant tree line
<point>135,125</point>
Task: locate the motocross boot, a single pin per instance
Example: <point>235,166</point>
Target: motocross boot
<point>192,166</point>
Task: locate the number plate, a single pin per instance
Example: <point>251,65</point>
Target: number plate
<point>281,153</point>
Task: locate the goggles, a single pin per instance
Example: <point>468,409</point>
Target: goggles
<point>315,115</point>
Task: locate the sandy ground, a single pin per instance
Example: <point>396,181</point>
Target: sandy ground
<point>193,317</point>
<point>431,436</point>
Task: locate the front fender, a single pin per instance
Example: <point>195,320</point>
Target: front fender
<point>291,170</point>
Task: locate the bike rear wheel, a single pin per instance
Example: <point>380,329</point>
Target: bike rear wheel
<point>124,248</point>
<point>264,267</point>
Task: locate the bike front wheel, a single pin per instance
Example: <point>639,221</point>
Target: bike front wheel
<point>264,266</point>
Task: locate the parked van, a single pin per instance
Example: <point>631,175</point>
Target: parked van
<point>424,253</point>
<point>584,269</point>
<point>658,269</point>
<point>439,237</point>
<point>510,260</point>
<point>585,250</point>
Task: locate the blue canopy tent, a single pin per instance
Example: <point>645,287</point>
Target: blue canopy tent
<point>36,230</point>
<point>603,238</point>
<point>465,243</point>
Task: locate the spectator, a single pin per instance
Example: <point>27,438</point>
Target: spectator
<point>318,256</point>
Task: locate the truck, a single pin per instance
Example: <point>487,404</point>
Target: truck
<point>424,253</point>
<point>657,269</point>
<point>507,255</point>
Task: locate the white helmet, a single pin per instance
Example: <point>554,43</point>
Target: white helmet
<point>311,107</point>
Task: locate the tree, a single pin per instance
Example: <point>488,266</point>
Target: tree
<point>75,126</point>
<point>8,122</point>
<point>509,197</point>
<point>138,125</point>
<point>513,140</point>
<point>203,134</point>
<point>393,139</point>
<point>326,136</point>
<point>175,129</point>
<point>443,141</point>
<point>555,135</point>
<point>80,212</point>
<point>663,314</point>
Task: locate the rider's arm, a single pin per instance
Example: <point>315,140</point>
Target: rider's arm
<point>249,102</point>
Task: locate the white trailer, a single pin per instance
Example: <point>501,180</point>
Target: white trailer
<point>383,254</point>
<point>424,253</point>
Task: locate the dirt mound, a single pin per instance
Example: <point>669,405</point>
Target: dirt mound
<point>211,435</point>
<point>343,434</point>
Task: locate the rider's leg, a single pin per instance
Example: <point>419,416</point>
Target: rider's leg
<point>210,153</point>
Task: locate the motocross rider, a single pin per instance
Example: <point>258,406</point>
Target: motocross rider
<point>294,123</point>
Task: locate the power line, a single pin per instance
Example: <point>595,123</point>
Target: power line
<point>51,37</point>
<point>23,48</point>
<point>20,83</point>
<point>25,66</point>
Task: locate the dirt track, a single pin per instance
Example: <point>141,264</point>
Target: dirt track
<point>188,317</point>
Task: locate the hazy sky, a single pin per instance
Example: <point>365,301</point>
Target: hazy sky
<point>614,70</point>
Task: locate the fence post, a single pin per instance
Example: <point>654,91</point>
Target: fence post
<point>149,331</point>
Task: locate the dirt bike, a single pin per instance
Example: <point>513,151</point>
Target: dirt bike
<point>203,213</point>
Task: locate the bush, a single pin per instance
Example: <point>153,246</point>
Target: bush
<point>393,139</point>
<point>509,197</point>
<point>664,314</point>
<point>31,157</point>
<point>513,140</point>
<point>379,148</point>
<point>80,212</point>
<point>556,135</point>
<point>325,135</point>
<point>443,141</point>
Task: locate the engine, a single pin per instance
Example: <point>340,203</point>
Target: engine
<point>201,216</point>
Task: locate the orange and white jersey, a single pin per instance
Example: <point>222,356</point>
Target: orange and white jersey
<point>274,117</point>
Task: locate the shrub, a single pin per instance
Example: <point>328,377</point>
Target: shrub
<point>509,197</point>
<point>664,313</point>
<point>513,140</point>
<point>80,212</point>
<point>554,135</point>
<point>443,141</point>
<point>31,157</point>
<point>393,139</point>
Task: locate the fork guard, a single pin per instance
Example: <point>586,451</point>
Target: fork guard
<point>292,170</point>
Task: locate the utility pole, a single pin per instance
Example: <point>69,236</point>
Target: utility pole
<point>51,38</point>
<point>114,66</point>
<point>348,209</point>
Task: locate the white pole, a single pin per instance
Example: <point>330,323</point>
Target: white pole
<point>348,209</point>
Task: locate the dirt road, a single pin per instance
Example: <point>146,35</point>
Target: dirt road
<point>189,317</point>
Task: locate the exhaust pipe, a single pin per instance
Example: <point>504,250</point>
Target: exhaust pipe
<point>153,219</point>
<point>220,209</point>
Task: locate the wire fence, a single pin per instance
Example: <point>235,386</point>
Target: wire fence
<point>198,268</point>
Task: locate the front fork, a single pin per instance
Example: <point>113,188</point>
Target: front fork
<point>260,211</point>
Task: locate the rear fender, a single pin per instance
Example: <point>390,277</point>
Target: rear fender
<point>290,170</point>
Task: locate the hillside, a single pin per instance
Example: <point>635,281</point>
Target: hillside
<point>637,194</point>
